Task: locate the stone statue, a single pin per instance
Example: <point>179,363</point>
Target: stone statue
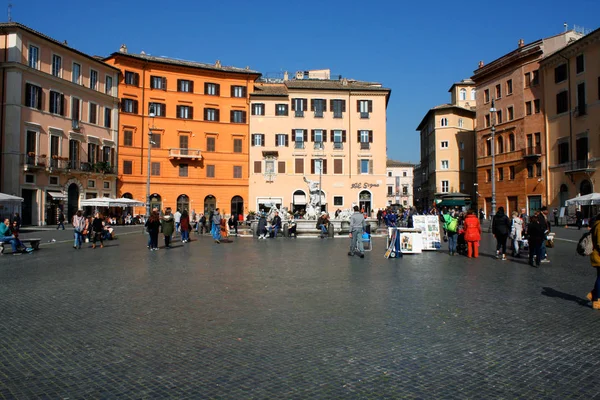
<point>313,188</point>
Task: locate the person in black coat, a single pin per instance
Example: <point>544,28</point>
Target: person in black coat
<point>261,227</point>
<point>536,235</point>
<point>501,229</point>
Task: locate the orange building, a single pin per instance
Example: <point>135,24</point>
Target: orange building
<point>195,118</point>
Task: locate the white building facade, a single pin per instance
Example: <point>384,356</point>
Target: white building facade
<point>400,183</point>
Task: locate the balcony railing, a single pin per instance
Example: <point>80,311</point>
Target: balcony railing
<point>338,145</point>
<point>501,157</point>
<point>192,154</point>
<point>533,151</point>
<point>298,145</point>
<point>365,145</point>
<point>578,165</point>
<point>31,162</point>
<point>319,146</point>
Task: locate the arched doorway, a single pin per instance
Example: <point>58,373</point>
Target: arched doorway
<point>183,203</point>
<point>364,201</point>
<point>73,200</point>
<point>237,205</point>
<point>210,204</point>
<point>563,195</point>
<point>155,202</point>
<point>298,201</point>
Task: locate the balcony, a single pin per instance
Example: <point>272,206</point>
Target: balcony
<point>319,146</point>
<point>501,158</point>
<point>365,145</point>
<point>185,154</point>
<point>532,152</point>
<point>578,166</point>
<point>298,145</point>
<point>338,145</point>
<point>63,164</point>
<point>32,162</point>
<point>581,110</point>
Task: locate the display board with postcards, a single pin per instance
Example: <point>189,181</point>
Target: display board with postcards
<point>430,231</point>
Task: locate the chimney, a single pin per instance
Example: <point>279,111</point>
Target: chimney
<point>123,49</point>
<point>481,64</point>
<point>285,76</point>
<point>521,43</point>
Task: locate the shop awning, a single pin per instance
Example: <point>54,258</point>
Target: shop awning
<point>299,199</point>
<point>453,203</point>
<point>58,195</point>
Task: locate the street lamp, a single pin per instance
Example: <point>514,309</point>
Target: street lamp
<point>151,114</point>
<point>320,181</point>
<point>493,121</point>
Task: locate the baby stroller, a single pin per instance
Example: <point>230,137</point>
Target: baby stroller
<point>461,244</point>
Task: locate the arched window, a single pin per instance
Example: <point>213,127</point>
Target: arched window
<point>460,122</point>
<point>511,142</point>
<point>237,205</point>
<point>155,202</point>
<point>488,147</point>
<point>463,94</point>
<point>500,149</point>
<point>473,92</point>
<point>183,203</point>
<point>210,203</point>
<point>444,122</point>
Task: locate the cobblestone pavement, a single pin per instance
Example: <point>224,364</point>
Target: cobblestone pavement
<point>292,318</point>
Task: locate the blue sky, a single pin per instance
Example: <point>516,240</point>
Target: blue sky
<point>418,49</point>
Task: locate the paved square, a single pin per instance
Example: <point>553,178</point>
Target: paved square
<point>292,318</point>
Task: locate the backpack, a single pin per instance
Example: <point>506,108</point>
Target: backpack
<point>452,225</point>
<point>585,247</point>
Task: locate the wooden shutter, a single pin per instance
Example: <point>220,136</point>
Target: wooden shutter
<point>218,89</point>
<point>231,116</point>
<point>299,167</point>
<point>324,105</point>
<point>343,136</point>
<point>312,135</point>
<point>332,136</point>
<point>312,104</point>
<point>191,112</point>
<point>205,87</point>
<point>39,98</point>
<point>293,104</point>
<point>358,138</point>
<point>281,167</point>
<point>244,91</point>
<point>276,143</point>
<point>370,136</point>
<point>262,139</point>
<point>324,167</point>
<point>206,114</point>
<point>293,136</point>
<point>370,106</point>
<point>62,104</point>
<point>324,135</point>
<point>305,135</point>
<point>358,167</point>
<point>343,105</point>
<point>371,167</point>
<point>164,83</point>
<point>192,86</point>
<point>218,115</point>
<point>136,79</point>
<point>135,106</point>
<point>232,91</point>
<point>305,104</point>
<point>257,167</point>
<point>337,166</point>
<point>331,106</point>
<point>358,105</point>
<point>244,117</point>
<point>312,166</point>
<point>27,93</point>
<point>287,142</point>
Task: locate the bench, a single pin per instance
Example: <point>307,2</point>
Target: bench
<point>34,243</point>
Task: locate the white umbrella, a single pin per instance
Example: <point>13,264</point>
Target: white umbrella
<point>108,202</point>
<point>585,200</point>
<point>7,198</point>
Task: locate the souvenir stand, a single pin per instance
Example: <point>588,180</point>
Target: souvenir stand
<point>403,241</point>
<point>429,225</point>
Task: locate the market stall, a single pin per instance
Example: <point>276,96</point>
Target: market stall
<point>9,205</point>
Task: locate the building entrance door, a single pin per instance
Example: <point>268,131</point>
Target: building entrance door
<point>534,204</point>
<point>73,201</point>
<point>27,208</point>
<point>513,205</point>
<point>364,202</point>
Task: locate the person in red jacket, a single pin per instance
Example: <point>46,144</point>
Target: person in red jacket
<point>472,234</point>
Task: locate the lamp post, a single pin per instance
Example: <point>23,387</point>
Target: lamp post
<point>493,121</point>
<point>151,115</point>
<point>320,181</point>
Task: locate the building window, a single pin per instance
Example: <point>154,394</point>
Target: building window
<point>365,107</point>
<point>581,105</point>
<point>238,117</point>
<point>281,109</point>
<point>530,170</point>
<point>511,113</point>
<point>560,73</point>
<point>390,191</point>
<point>445,186</point>
<point>511,142</point>
<point>319,167</point>
<point>183,170</point>
<point>511,173</point>
<point>184,85</point>
<point>338,107</point>
<point>463,94</point>
<point>93,79</point>
<point>562,102</point>
<point>155,140</point>
<point>212,89</point>
<point>211,114</point>
<point>579,64</point>
<point>91,184</point>
<point>237,145</point>
<point>129,106</point>
<point>538,169</point>
<point>185,112</point>
<point>237,172</point>
<point>462,164</point>
<point>57,102</point>
<point>462,186</point>
<point>444,122</point>
<point>54,180</point>
<point>563,152</point>
<point>76,74</point>
<point>258,109</point>
<point>107,117</point>
<point>93,150</point>
<point>389,173</point>
<point>473,94</point>
<point>299,106</point>
<point>127,167</point>
<point>33,57</point>
<point>460,122</point>
<point>499,116</point>
<point>528,108</point>
<point>158,82</point>
<point>317,138</point>
<point>445,164</point>
<point>299,165</point>
<point>128,138</point>
<point>338,139</point>
<point>108,85</point>
<point>488,175</point>
<point>132,78</point>
<point>157,109</point>
<point>210,144</point>
<point>258,139</point>
<point>338,166</point>
<point>461,145</point>
<point>270,167</point>
<point>488,147</point>
<point>500,174</point>
<point>535,78</point>
<point>318,106</point>
<point>93,113</point>
<point>405,189</point>
<point>238,91</point>
<point>536,106</point>
<point>404,173</point>
<point>281,140</point>
<point>487,120</point>
<point>299,138</point>
<point>486,96</point>
<point>498,91</point>
<point>56,65</point>
<point>366,166</point>
<point>500,149</point>
<point>155,169</point>
<point>281,167</point>
<point>528,79</point>
<point>444,144</point>
<point>338,201</point>
<point>365,138</point>
<point>33,96</point>
<point>509,88</point>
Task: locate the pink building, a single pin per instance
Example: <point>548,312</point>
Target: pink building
<point>58,125</point>
<point>321,130</point>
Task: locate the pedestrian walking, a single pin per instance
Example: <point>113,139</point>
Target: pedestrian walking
<point>451,228</point>
<point>261,227</point>
<point>202,229</point>
<point>79,225</point>
<point>535,237</point>
<point>500,229</point>
<point>168,226</point>
<point>578,219</point>
<point>185,226</point>
<point>516,232</point>
<point>555,214</point>
<point>595,261</point>
<point>357,226</point>
<point>472,228</point>
<point>177,218</point>
<point>216,226</point>
<point>543,221</point>
<point>152,227</point>
<point>61,220</point>
<point>98,230</point>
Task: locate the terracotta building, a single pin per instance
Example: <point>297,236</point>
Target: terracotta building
<point>447,167</point>
<point>514,83</point>
<point>195,117</point>
<point>59,124</point>
<point>328,131</point>
<point>572,102</point>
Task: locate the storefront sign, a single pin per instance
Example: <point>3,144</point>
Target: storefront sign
<point>364,185</point>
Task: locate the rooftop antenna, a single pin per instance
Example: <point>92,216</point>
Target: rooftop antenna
<point>9,12</point>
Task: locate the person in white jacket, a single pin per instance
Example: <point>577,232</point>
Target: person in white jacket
<point>516,232</point>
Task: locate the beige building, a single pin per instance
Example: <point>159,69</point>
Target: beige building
<point>447,166</point>
<point>572,109</point>
<point>59,119</point>
<point>329,132</point>
<point>399,181</point>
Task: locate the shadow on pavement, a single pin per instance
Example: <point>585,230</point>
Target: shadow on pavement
<point>546,291</point>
